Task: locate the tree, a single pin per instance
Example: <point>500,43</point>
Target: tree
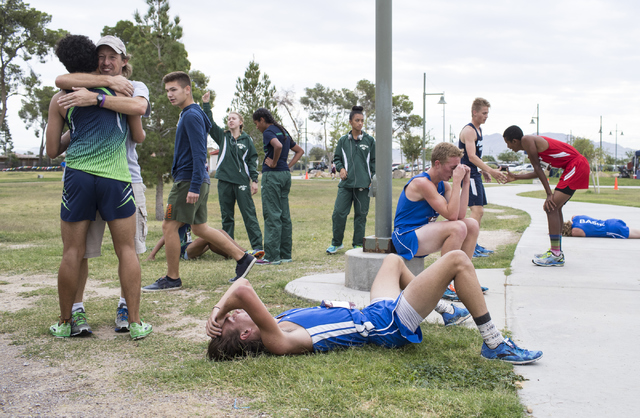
<point>487,158</point>
<point>35,111</point>
<point>411,146</point>
<point>403,120</point>
<point>253,92</point>
<point>23,35</point>
<point>287,100</point>
<point>339,126</point>
<point>364,95</point>
<point>509,156</point>
<point>585,147</point>
<point>321,103</point>
<point>154,42</point>
<point>316,154</point>
<point>5,140</point>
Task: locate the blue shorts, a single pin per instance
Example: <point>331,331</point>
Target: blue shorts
<point>406,244</point>
<point>83,194</point>
<point>476,192</point>
<point>390,331</point>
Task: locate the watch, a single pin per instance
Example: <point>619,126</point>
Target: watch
<point>100,99</point>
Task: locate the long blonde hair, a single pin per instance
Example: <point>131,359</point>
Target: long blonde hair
<point>241,119</point>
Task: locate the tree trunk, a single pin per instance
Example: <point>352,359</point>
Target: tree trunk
<point>159,196</point>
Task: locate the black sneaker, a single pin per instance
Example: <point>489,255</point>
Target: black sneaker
<point>163,283</point>
<point>244,267</point>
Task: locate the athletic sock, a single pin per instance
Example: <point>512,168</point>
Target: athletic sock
<point>490,334</point>
<point>77,307</point>
<point>122,303</point>
<point>556,244</point>
<point>443,307</point>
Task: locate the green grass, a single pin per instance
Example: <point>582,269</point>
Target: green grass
<point>620,197</point>
<point>442,377</point>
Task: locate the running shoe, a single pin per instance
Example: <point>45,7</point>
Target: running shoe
<point>163,283</point>
<point>257,254</point>
<point>79,325</point>
<point>355,247</point>
<point>244,266</point>
<point>286,260</point>
<point>481,249</point>
<point>122,319</point>
<point>333,249</point>
<point>450,295</point>
<point>139,331</point>
<point>543,255</point>
<point>458,316</point>
<point>59,330</point>
<point>477,254</point>
<point>264,262</point>
<point>550,260</point>
<point>509,352</point>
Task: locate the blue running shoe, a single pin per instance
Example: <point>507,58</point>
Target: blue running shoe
<point>484,290</point>
<point>483,250</point>
<point>333,249</point>
<point>509,352</point>
<point>550,260</point>
<point>458,316</point>
<point>122,319</point>
<point>450,294</point>
<point>477,254</point>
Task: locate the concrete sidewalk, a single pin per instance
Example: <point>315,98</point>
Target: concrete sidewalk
<point>583,316</point>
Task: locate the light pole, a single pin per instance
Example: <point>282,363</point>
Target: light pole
<point>452,136</point>
<point>537,118</point>
<point>615,161</point>
<point>424,116</point>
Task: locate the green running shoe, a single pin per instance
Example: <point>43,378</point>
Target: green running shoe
<point>60,330</point>
<point>139,331</point>
<point>79,325</point>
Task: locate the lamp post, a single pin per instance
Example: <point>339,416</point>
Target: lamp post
<point>452,136</point>
<point>537,118</point>
<point>615,161</point>
<point>424,116</point>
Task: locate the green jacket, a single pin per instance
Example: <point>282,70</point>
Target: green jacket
<point>238,158</point>
<point>358,157</point>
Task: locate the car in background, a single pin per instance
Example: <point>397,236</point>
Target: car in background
<point>523,167</point>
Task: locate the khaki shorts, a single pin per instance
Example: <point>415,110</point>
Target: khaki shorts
<point>179,210</point>
<point>93,247</point>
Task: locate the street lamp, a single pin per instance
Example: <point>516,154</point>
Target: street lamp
<point>452,136</point>
<point>615,161</point>
<point>537,118</point>
<point>424,116</point>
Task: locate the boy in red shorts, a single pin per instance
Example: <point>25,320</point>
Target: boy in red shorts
<point>575,176</point>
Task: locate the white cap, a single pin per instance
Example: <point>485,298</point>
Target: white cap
<point>115,43</point>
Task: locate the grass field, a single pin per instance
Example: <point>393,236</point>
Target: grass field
<point>442,377</point>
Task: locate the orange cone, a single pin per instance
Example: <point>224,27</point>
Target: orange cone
<point>615,185</point>
<point>306,177</point>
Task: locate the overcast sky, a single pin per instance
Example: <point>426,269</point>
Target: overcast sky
<point>578,60</point>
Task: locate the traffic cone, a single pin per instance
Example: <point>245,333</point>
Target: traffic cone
<point>615,185</point>
<point>306,177</point>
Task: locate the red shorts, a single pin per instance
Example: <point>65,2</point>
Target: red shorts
<point>575,175</point>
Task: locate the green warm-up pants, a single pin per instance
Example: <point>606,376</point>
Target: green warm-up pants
<point>277,218</point>
<point>228,195</point>
<point>360,199</point>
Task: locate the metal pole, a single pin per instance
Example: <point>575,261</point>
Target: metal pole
<point>443,137</point>
<point>383,118</point>
<point>306,166</point>
<point>615,161</point>
<point>537,119</point>
<point>424,119</point>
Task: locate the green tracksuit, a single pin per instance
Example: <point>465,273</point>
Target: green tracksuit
<point>235,171</point>
<point>358,158</point>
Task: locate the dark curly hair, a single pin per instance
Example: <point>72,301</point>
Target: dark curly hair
<point>512,132</point>
<point>231,346</point>
<point>263,113</point>
<point>77,53</point>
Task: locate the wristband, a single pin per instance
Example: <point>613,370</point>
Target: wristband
<point>104,97</point>
<point>216,307</point>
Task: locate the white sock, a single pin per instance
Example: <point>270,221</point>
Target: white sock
<point>77,307</point>
<point>443,307</point>
<point>122,302</point>
<point>490,334</point>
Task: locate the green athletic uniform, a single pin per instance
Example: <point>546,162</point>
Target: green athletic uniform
<point>235,171</point>
<point>358,157</point>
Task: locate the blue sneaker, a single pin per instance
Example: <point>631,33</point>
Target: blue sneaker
<point>450,294</point>
<point>122,319</point>
<point>550,260</point>
<point>483,250</point>
<point>509,352</point>
<point>477,254</point>
<point>333,249</point>
<point>458,316</point>
<point>163,283</point>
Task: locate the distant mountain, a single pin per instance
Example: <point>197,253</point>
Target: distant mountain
<point>494,144</point>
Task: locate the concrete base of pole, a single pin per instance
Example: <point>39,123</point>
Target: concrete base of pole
<point>361,268</point>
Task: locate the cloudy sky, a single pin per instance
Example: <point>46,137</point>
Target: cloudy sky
<point>577,60</point>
